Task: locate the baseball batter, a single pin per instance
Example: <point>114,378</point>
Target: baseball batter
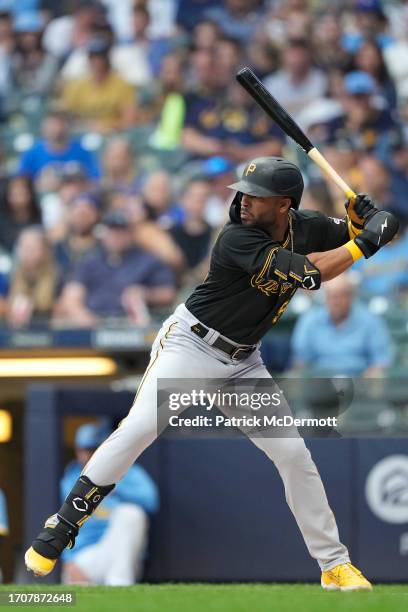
<point>267,251</point>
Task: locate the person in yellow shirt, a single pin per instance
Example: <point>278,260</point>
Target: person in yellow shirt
<point>103,100</point>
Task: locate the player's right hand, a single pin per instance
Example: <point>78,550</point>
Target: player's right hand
<point>359,209</point>
<point>379,229</point>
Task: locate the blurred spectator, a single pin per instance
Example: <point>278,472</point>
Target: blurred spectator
<point>205,35</point>
<point>369,59</point>
<point>343,337</point>
<point>7,44</point>
<point>163,103</point>
<point>288,19</point>
<point>80,239</point>
<point>18,209</point>
<point>49,157</point>
<point>158,201</point>
<point>222,120</point>
<point>117,280</point>
<point>4,528</point>
<point>191,12</point>
<point>64,34</point>
<point>367,127</point>
<point>317,197</point>
<point>119,168</point>
<point>34,281</point>
<point>33,70</point>
<point>237,18</point>
<point>371,22</point>
<point>297,83</point>
<point>111,547</point>
<point>129,60</point>
<point>55,203</point>
<point>4,288</point>
<point>328,51</point>
<point>193,234</point>
<point>102,100</point>
<point>263,56</point>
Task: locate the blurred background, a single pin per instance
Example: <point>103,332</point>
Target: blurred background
<point>121,125</point>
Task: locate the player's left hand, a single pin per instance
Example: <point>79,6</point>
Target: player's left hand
<point>360,209</point>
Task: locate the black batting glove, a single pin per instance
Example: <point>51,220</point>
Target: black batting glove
<point>360,209</point>
<point>379,229</point>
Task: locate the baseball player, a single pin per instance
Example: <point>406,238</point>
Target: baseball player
<point>267,251</point>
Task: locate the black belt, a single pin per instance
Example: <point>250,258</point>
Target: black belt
<point>235,352</point>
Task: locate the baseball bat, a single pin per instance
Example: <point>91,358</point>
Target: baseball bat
<point>250,82</point>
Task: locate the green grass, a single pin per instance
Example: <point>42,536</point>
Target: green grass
<point>225,598</point>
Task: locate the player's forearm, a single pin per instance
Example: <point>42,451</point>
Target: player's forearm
<point>332,263</point>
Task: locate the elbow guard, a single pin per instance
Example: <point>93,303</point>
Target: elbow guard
<point>295,269</point>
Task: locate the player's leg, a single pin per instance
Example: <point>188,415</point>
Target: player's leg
<point>304,490</point>
<point>176,353</point>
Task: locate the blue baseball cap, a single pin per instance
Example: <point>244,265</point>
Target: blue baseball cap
<point>359,83</point>
<point>91,435</point>
<point>216,166</point>
<point>28,21</point>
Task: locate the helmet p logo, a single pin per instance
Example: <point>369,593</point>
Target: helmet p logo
<point>251,168</point>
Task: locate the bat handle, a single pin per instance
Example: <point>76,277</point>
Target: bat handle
<point>324,165</point>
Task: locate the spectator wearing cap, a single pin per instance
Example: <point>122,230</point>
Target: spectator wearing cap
<point>297,84</point>
<point>35,280</point>
<point>118,280</point>
<point>80,240</point>
<point>19,208</point>
<point>48,159</point>
<point>367,127</point>
<point>102,100</point>
<point>111,548</point>
<point>33,70</point>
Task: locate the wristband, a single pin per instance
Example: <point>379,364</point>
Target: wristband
<point>353,249</point>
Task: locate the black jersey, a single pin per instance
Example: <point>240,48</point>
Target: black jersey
<point>239,298</point>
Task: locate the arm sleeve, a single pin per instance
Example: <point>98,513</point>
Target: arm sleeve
<point>330,232</point>
<point>91,164</point>
<point>138,488</point>
<point>379,345</point>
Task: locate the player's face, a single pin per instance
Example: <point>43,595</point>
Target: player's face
<point>264,212</point>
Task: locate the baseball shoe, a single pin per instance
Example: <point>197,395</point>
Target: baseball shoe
<point>46,549</point>
<point>344,577</point>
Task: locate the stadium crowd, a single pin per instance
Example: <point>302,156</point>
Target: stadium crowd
<point>122,124</point>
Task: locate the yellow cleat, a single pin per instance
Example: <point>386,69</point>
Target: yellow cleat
<point>344,577</point>
<point>36,563</point>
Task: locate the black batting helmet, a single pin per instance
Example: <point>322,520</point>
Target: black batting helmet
<point>271,176</point>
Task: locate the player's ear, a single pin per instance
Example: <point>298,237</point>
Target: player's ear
<point>285,204</point>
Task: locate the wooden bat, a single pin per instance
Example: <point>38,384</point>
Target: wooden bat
<point>249,81</point>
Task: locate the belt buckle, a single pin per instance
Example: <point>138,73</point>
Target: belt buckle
<point>239,349</point>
